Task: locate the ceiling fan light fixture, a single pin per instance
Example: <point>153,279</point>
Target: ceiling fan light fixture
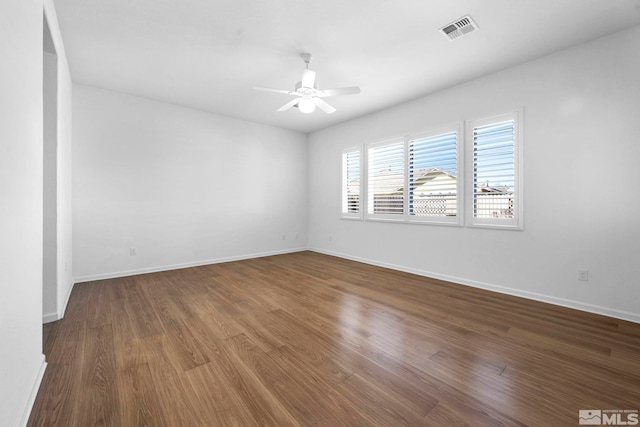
<point>306,106</point>
<point>308,95</point>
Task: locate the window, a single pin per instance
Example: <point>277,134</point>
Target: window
<point>434,177</point>
<point>428,178</point>
<point>495,152</point>
<point>386,180</point>
<point>415,178</point>
<point>351,183</point>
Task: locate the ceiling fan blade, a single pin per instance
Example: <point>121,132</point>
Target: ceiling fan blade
<point>289,104</point>
<point>323,105</point>
<point>268,89</point>
<point>308,78</point>
<point>339,91</point>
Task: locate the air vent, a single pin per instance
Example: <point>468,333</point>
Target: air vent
<point>458,28</point>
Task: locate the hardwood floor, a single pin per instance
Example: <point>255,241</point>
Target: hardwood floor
<point>311,340</point>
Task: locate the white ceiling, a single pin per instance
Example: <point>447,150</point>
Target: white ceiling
<point>208,54</point>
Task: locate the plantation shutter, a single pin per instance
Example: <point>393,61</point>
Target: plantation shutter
<point>351,182</point>
<point>386,179</point>
<point>494,170</point>
<point>433,176</point>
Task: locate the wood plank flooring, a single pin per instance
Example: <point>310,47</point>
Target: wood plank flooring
<point>306,339</point>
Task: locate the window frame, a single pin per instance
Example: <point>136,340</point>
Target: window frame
<point>458,219</point>
<point>343,202</point>
<point>406,140</point>
<point>368,193</point>
<point>516,223</point>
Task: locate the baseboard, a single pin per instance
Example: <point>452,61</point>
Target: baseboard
<point>114,275</point>
<point>590,308</point>
<point>55,316</point>
<point>66,301</point>
<point>34,392</point>
<point>51,317</point>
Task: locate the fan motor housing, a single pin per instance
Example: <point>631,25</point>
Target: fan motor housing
<point>305,90</point>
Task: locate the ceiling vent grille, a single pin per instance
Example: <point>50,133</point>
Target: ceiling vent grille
<point>458,28</point>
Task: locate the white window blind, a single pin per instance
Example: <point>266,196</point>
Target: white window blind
<point>351,183</point>
<point>433,176</point>
<point>496,184</point>
<point>386,178</point>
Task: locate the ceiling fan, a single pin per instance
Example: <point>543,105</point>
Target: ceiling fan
<point>308,95</point>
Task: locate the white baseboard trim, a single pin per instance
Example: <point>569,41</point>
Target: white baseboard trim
<point>55,316</point>
<point>63,309</point>
<point>116,274</point>
<point>51,317</point>
<point>34,392</point>
<point>590,308</point>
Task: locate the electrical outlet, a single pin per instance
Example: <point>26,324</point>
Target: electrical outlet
<point>297,236</point>
<point>330,238</point>
<point>583,275</point>
<point>132,251</point>
<point>284,237</point>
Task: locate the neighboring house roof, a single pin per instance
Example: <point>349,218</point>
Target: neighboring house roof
<point>433,181</point>
<point>485,188</point>
<point>426,180</point>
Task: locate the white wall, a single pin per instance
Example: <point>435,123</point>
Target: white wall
<point>50,183</point>
<point>582,148</point>
<point>64,170</point>
<point>58,224</point>
<point>21,359</point>
<point>181,186</point>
